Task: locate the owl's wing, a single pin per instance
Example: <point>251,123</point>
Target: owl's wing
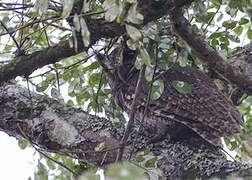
<point>205,110</point>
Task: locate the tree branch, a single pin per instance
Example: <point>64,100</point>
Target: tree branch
<point>99,28</point>
<point>206,53</point>
<point>25,65</point>
<point>56,127</point>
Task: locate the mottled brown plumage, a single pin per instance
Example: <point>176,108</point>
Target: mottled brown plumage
<point>206,110</point>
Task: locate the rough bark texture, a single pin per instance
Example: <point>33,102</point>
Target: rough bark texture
<point>56,127</point>
<point>25,65</point>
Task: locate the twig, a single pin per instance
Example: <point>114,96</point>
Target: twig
<point>11,9</point>
<point>11,35</point>
<point>132,114</point>
<point>17,4</point>
<point>46,35</point>
<point>40,34</point>
<point>32,23</point>
<point>98,91</point>
<point>48,23</point>
<point>57,79</point>
<point>210,21</point>
<point>83,60</point>
<point>221,148</point>
<point>48,157</point>
<point>104,157</point>
<point>22,23</point>
<point>147,104</point>
<point>67,67</point>
<point>29,91</point>
<point>57,162</point>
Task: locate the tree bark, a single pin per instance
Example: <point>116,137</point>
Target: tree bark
<point>56,127</point>
<point>206,53</point>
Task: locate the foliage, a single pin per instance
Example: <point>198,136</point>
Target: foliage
<point>224,23</point>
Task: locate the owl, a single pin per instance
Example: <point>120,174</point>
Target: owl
<point>204,110</point>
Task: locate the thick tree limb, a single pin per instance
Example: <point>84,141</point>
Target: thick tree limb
<point>55,127</point>
<point>25,65</point>
<point>99,28</point>
<point>206,53</point>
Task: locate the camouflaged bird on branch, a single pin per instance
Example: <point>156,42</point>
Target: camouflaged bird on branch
<point>205,110</point>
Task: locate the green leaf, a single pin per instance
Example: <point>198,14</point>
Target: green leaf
<point>125,171</point>
<point>56,94</point>
<point>249,11</point>
<point>89,175</point>
<point>134,16</point>
<point>217,2</point>
<point>41,6</point>
<point>238,30</point>
<point>70,102</point>
<point>41,87</point>
<point>224,41</point>
<point>231,11</point>
<point>229,24</point>
<point>215,35</point>
<point>140,159</point>
<point>234,145</point>
<point>151,163</point>
<point>23,144</point>
<point>76,22</point>
<point>50,164</point>
<point>6,18</point>
<point>234,38</point>
<point>227,141</point>
<point>42,173</point>
<point>131,44</point>
<point>205,17</point>
<point>243,21</point>
<point>69,162</point>
<point>220,17</point>
<point>144,56</point>
<point>133,32</point>
<point>8,48</point>
<point>67,8</point>
<point>94,79</point>
<point>249,33</point>
<point>91,67</point>
<point>112,9</point>
<point>182,87</point>
<point>214,43</point>
<point>165,62</point>
<point>151,31</point>
<point>146,151</point>
<point>157,89</point>
<point>50,77</point>
<point>148,73</point>
<point>249,100</point>
<point>84,32</point>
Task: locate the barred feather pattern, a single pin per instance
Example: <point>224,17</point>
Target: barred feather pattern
<point>206,110</point>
